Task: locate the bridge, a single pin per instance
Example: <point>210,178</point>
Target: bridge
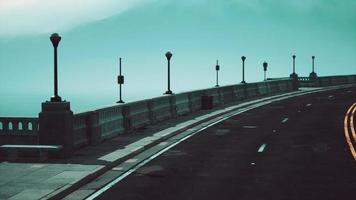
<point>282,138</point>
<point>290,145</point>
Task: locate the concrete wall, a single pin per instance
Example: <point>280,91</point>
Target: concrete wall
<point>90,128</point>
<point>18,130</point>
<point>327,81</point>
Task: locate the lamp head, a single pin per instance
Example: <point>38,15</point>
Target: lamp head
<point>55,39</point>
<point>168,55</point>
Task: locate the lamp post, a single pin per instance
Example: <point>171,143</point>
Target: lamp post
<point>293,63</point>
<point>169,56</point>
<point>217,68</point>
<point>55,39</point>
<point>313,76</point>
<point>120,81</point>
<point>265,65</point>
<point>243,58</point>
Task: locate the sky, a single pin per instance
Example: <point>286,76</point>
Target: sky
<point>95,33</point>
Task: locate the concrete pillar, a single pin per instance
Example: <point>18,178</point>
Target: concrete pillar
<point>294,76</point>
<point>56,126</point>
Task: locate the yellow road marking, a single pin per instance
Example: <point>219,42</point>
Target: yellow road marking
<point>352,126</point>
<point>346,131</point>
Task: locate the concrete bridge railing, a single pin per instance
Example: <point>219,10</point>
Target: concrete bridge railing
<point>92,127</point>
<point>18,130</point>
<point>326,81</point>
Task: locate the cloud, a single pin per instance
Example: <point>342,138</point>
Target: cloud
<point>29,17</point>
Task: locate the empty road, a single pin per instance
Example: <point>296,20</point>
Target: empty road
<point>295,149</point>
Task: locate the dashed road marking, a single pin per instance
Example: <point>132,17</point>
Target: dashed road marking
<point>250,127</point>
<point>331,96</point>
<point>285,120</point>
<point>308,105</point>
<point>262,148</point>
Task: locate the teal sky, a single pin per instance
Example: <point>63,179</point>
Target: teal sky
<point>96,32</point>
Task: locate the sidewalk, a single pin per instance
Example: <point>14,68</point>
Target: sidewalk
<point>57,177</point>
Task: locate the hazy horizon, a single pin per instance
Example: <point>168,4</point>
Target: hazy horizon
<point>96,33</point>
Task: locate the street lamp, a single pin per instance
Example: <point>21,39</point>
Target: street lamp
<point>169,56</point>
<point>55,39</point>
<point>217,68</point>
<point>243,58</point>
<point>313,76</point>
<point>293,63</point>
<point>120,81</point>
<point>265,65</point>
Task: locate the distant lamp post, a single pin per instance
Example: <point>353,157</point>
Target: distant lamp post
<point>243,58</point>
<point>294,76</point>
<point>293,63</point>
<point>169,56</point>
<point>55,39</point>
<point>217,68</point>
<point>265,65</point>
<point>120,81</point>
<point>313,76</point>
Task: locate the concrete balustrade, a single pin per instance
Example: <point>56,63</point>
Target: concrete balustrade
<point>161,108</point>
<point>228,93</point>
<point>251,90</point>
<point>327,81</point>
<point>238,92</point>
<point>95,126</point>
<point>111,121</point>
<point>80,129</point>
<point>182,105</point>
<point>263,88</point>
<point>18,125</point>
<point>215,93</point>
<point>195,100</point>
<point>18,130</point>
<point>137,115</point>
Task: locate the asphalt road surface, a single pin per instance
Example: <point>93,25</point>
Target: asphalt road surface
<point>294,149</point>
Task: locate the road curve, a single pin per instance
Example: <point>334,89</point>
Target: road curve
<point>295,149</point>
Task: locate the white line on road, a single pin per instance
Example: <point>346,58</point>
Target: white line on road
<point>249,127</point>
<point>262,148</point>
<point>331,96</point>
<point>285,120</point>
<point>309,104</point>
<point>144,162</point>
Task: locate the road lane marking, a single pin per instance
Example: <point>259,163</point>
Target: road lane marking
<point>352,126</point>
<point>249,127</point>
<point>262,148</point>
<point>309,104</point>
<point>285,120</point>
<point>195,131</point>
<point>331,96</point>
<point>144,162</point>
<point>346,131</point>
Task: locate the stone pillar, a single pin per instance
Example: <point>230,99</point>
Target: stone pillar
<point>56,126</point>
<point>294,76</point>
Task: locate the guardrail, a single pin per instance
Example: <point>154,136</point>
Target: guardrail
<point>18,130</point>
<point>326,81</point>
<point>95,126</point>
<point>19,125</point>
